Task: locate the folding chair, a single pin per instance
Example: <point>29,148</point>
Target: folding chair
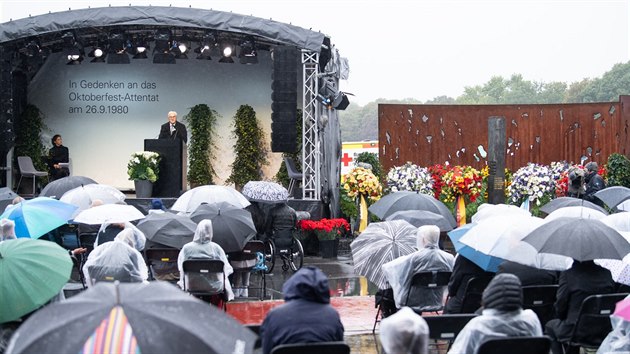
<point>473,293</point>
<point>28,170</point>
<point>110,274</point>
<point>295,175</point>
<point>540,299</point>
<point>593,323</point>
<point>312,348</point>
<point>516,345</point>
<point>425,284</point>
<point>162,262</point>
<point>250,252</point>
<point>447,327</point>
<point>205,278</point>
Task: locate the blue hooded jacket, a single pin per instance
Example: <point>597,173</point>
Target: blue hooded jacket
<point>306,316</point>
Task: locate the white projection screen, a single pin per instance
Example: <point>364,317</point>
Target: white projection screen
<point>105,111</point>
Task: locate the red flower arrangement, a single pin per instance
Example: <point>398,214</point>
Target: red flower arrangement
<point>325,229</point>
<point>437,171</point>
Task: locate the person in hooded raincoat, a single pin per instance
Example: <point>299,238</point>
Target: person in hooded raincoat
<point>118,257</point>
<point>618,340</point>
<point>502,316</point>
<point>428,257</point>
<point>202,247</point>
<point>108,232</point>
<point>7,228</point>
<point>405,332</point>
<point>306,316</point>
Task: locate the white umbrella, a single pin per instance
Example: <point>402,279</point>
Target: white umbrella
<point>83,196</point>
<point>490,210</point>
<point>619,269</point>
<point>576,212</point>
<point>108,213</point>
<point>501,236</point>
<point>265,192</point>
<point>193,198</point>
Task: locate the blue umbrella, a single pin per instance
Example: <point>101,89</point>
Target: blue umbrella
<point>487,263</point>
<point>35,217</point>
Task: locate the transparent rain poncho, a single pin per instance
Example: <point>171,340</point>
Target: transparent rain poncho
<point>495,324</point>
<point>400,271</point>
<point>119,258</point>
<point>405,332</point>
<point>618,340</point>
<point>202,247</point>
<point>139,238</point>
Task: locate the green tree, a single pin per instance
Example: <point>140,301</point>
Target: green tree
<point>28,136</point>
<point>201,122</point>
<point>613,83</point>
<point>249,148</point>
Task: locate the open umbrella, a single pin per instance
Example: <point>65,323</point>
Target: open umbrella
<point>232,227</point>
<point>406,200</point>
<point>613,196</point>
<point>487,210</point>
<point>500,236</point>
<point>132,318</point>
<point>83,196</point>
<point>575,212</point>
<point>6,197</point>
<point>58,187</point>
<point>168,229</point>
<point>35,217</point>
<point>619,269</point>
<point>419,218</point>
<point>108,213</point>
<point>562,202</point>
<point>579,238</point>
<point>380,243</point>
<point>31,273</point>
<point>265,192</point>
<point>484,261</point>
<point>190,200</point>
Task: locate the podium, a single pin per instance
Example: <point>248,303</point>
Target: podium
<point>172,179</point>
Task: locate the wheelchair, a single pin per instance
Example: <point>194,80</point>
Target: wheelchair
<point>284,245</point>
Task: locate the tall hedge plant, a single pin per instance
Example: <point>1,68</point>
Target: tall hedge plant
<point>28,136</point>
<point>249,148</point>
<point>618,170</point>
<point>201,150</point>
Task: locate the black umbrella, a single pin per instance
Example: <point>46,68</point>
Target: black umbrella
<point>232,227</point>
<point>405,200</point>
<point>168,229</point>
<point>419,218</point>
<point>562,202</point>
<point>614,195</point>
<point>6,197</point>
<point>579,238</point>
<point>57,188</point>
<point>150,318</point>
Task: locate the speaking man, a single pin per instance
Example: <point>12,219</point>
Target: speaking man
<point>173,129</point>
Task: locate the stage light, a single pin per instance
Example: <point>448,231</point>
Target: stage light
<point>205,48</point>
<point>32,49</point>
<point>140,48</point>
<point>98,54</point>
<point>162,40</point>
<point>74,57</point>
<point>116,42</point>
<point>227,51</point>
<point>248,54</point>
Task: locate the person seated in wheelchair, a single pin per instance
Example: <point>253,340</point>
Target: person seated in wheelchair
<point>281,223</point>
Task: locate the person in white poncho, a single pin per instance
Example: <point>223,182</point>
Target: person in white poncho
<point>428,257</point>
<point>502,317</point>
<point>118,258</point>
<point>405,332</point>
<point>202,247</point>
<point>618,340</point>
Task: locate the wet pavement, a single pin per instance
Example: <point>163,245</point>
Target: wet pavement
<point>351,295</point>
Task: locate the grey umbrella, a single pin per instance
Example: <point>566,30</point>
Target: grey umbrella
<point>419,218</point>
<point>380,243</point>
<point>168,229</point>
<point>562,202</point>
<point>614,195</point>
<point>57,188</point>
<point>579,238</point>
<point>405,200</point>
<point>232,227</point>
<point>6,197</point>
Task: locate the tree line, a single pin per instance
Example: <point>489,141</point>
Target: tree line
<point>361,122</point>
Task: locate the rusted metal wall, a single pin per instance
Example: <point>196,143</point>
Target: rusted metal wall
<point>540,133</point>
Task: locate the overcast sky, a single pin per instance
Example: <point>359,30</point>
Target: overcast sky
<point>426,48</point>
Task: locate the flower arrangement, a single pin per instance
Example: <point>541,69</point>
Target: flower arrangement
<point>362,181</point>
<point>144,165</point>
<point>437,172</point>
<point>461,181</point>
<point>534,182</point>
<point>410,177</point>
<point>325,229</point>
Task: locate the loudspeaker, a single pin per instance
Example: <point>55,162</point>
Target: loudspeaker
<point>284,99</point>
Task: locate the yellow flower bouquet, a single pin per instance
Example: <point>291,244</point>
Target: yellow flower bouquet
<point>362,181</point>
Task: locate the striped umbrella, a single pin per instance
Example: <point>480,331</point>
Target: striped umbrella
<point>132,318</point>
<point>380,243</point>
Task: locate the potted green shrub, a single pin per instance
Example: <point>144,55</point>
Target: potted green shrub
<point>201,122</point>
<point>250,149</point>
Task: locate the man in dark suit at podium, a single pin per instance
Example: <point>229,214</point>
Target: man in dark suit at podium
<point>173,129</point>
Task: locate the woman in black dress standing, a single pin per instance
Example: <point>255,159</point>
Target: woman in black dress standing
<point>56,155</point>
